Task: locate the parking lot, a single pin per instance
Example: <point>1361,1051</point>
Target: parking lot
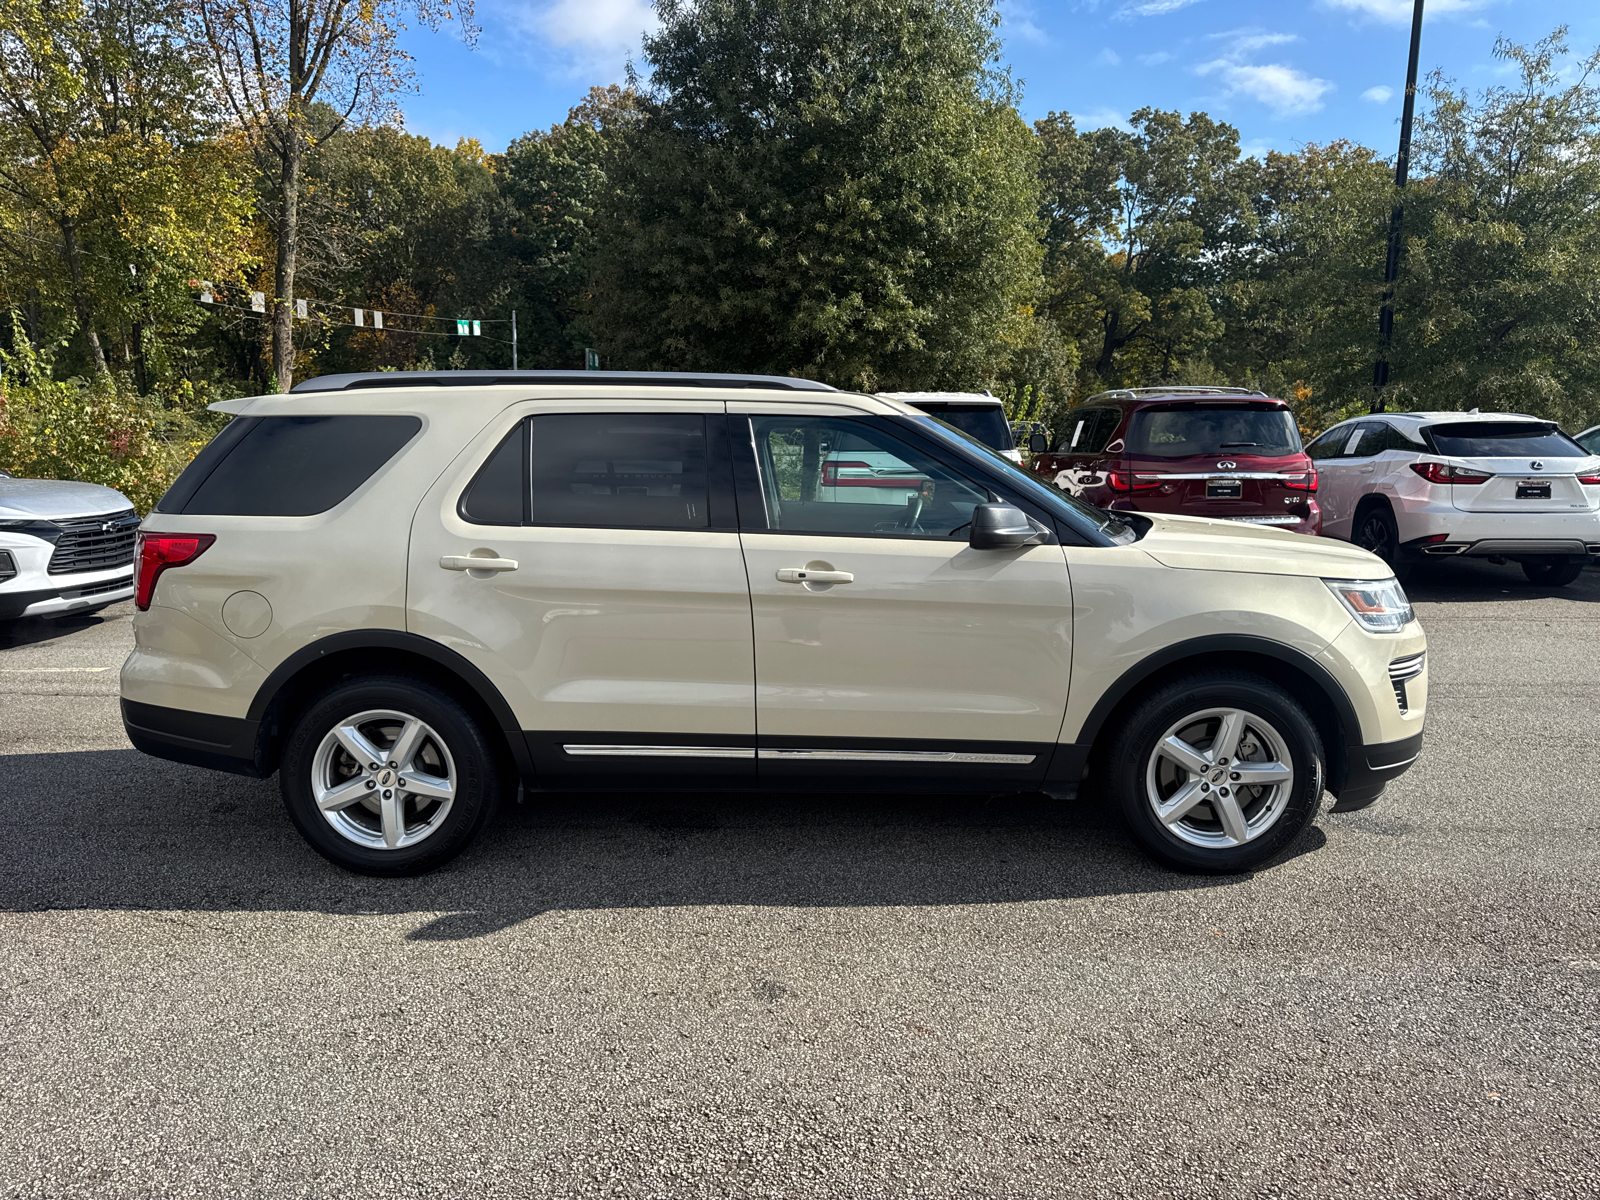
<point>687,996</point>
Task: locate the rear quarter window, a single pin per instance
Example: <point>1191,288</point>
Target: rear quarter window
<point>287,466</point>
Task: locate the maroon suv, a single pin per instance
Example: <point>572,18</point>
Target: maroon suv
<point>1225,453</point>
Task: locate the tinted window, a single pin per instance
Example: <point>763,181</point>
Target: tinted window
<point>1590,441</point>
<point>624,471</point>
<point>1331,444</point>
<point>298,466</point>
<point>496,494</point>
<point>1370,439</point>
<point>985,423</point>
<point>1503,439</point>
<point>832,475</point>
<point>1190,430</point>
<point>1091,430</point>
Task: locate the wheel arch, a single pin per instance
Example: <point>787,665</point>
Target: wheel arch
<point>1296,672</point>
<point>308,671</point>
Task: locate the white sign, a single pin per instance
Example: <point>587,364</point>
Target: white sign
<point>358,318</point>
<point>258,301</point>
<point>302,309</point>
<point>377,320</point>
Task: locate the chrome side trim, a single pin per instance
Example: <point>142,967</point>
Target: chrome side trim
<point>660,751</point>
<point>1260,520</point>
<point>905,756</point>
<point>1222,475</point>
<point>1409,667</point>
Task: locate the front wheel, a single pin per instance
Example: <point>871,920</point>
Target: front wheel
<point>1555,571</point>
<point>388,775</point>
<point>1376,531</point>
<point>1217,773</point>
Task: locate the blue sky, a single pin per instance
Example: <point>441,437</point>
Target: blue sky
<point>1285,72</point>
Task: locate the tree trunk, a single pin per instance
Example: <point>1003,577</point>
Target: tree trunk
<point>1108,346</point>
<point>80,299</point>
<point>288,247</point>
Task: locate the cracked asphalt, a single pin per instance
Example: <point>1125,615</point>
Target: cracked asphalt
<point>824,996</point>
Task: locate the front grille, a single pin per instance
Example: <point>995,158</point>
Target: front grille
<point>95,543</point>
<point>98,589</point>
<point>1403,669</point>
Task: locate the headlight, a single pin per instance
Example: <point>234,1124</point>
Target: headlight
<point>1378,607</point>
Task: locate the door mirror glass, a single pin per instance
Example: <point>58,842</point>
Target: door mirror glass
<point>1038,444</point>
<point>1002,527</point>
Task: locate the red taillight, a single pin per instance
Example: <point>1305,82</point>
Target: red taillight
<point>1444,473</point>
<point>1302,483</point>
<point>158,551</point>
<point>831,469</point>
<point>1127,481</point>
<point>1591,479</point>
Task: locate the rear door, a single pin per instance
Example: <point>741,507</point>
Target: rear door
<point>1340,477</point>
<point>612,611</point>
<point>1080,466</point>
<point>912,660</point>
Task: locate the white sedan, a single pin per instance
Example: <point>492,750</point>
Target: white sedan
<point>1502,486</point>
<point>65,548</point>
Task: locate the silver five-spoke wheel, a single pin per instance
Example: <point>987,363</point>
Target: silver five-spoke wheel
<point>1219,778</point>
<point>383,779</point>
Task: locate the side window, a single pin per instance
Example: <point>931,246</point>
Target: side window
<point>842,476</point>
<point>1091,430</point>
<point>620,470</point>
<point>1330,444</point>
<point>1394,439</point>
<point>292,466</point>
<point>1371,438</point>
<point>498,493</point>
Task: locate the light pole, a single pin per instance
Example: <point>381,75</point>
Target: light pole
<point>1391,265</point>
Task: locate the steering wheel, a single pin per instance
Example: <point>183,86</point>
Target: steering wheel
<point>908,521</point>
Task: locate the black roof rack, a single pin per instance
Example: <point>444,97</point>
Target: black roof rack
<point>383,379</point>
<point>1177,389</point>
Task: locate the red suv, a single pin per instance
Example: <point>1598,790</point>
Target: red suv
<point>1230,454</point>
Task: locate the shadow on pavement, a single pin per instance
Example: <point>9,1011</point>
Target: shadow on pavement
<point>1478,579</point>
<point>115,829</point>
<point>33,630</point>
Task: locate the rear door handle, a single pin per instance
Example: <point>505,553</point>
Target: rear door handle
<point>469,562</point>
<point>802,575</point>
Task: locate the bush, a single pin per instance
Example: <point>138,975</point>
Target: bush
<point>99,431</point>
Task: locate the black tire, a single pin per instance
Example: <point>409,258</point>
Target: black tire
<point>1555,571</point>
<point>1374,529</point>
<point>1129,760</point>
<point>466,755</point>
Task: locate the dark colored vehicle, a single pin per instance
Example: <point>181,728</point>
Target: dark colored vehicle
<point>1229,454</point>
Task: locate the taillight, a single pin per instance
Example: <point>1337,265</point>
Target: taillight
<point>158,551</point>
<point>1435,472</point>
<point>1591,479</point>
<point>1302,483</point>
<point>1127,481</point>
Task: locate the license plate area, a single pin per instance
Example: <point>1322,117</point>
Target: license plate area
<point>1531,490</point>
<point>1224,489</point>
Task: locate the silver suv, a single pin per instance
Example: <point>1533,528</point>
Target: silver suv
<point>412,594</point>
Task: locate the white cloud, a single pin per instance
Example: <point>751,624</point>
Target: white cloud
<point>1108,58</point>
<point>1243,41</point>
<point>1100,118</point>
<point>603,26</point>
<point>1153,8</point>
<point>1398,12</point>
<point>1018,19</point>
<point>1279,87</point>
<point>1156,59</point>
<point>1378,95</point>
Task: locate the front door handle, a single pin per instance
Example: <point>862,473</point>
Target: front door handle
<point>806,575</point>
<point>471,562</point>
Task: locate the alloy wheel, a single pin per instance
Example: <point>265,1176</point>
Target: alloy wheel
<point>383,779</point>
<point>1219,778</point>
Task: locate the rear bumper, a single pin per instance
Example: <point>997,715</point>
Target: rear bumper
<point>199,739</point>
<point>1369,769</point>
<point>1509,547</point>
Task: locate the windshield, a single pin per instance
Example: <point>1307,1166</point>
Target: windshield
<point>1052,499</point>
<point>1503,439</point>
<point>1189,431</point>
<point>983,423</point>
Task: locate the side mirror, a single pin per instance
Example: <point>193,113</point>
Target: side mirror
<point>1002,527</point>
<point>1038,444</point>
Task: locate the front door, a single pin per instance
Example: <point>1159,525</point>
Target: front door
<point>887,650</point>
<point>612,610</point>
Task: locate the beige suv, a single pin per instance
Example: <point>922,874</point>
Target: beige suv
<point>413,594</point>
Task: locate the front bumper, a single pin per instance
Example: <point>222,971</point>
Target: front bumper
<point>69,594</point>
<point>1368,770</point>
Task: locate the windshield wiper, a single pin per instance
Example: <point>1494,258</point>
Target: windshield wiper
<point>1230,445</point>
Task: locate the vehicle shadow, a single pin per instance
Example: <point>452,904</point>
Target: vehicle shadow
<point>115,829</point>
<point>31,631</point>
<point>1477,579</point>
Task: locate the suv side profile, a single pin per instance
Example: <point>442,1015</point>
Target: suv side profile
<point>1230,454</point>
<point>410,594</point>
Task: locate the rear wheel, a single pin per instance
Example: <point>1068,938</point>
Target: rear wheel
<point>1554,571</point>
<point>389,776</point>
<point>1217,773</point>
<point>1376,531</point>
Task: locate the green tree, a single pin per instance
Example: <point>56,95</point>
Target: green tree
<point>832,188</point>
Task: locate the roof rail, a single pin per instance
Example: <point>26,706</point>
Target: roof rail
<point>394,379</point>
<point>1179,389</point>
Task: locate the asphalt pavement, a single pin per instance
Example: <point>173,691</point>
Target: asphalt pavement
<point>825,996</point>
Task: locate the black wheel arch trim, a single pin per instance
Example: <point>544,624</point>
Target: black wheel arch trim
<point>1230,643</point>
<point>354,640</point>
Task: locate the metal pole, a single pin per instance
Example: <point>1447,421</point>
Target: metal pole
<point>513,339</point>
<point>1391,265</point>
